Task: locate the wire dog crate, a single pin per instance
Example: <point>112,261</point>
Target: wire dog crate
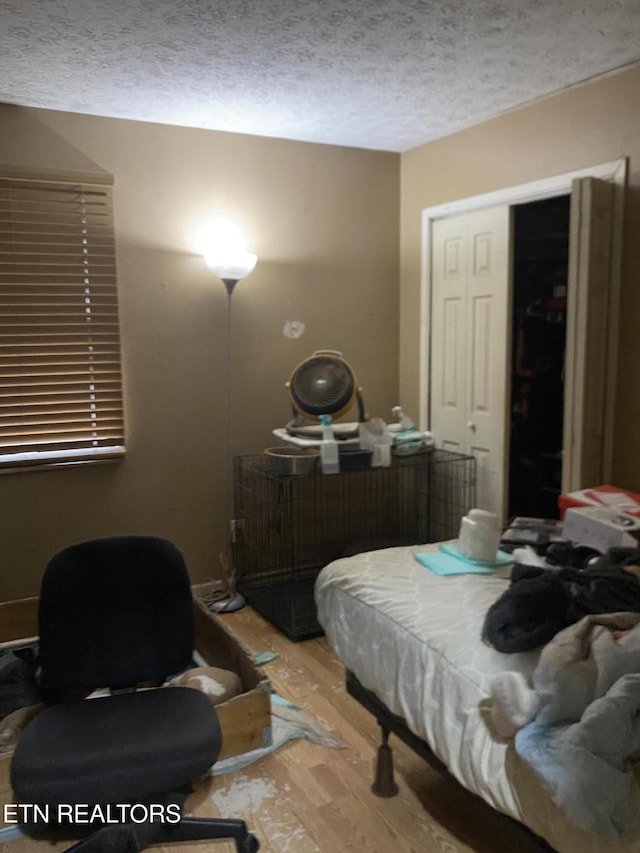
<point>287,528</point>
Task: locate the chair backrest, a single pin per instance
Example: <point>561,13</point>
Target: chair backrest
<point>115,612</point>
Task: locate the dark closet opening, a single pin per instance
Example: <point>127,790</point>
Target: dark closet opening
<point>541,254</point>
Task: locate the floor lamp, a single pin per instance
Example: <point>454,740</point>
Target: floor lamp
<point>228,259</point>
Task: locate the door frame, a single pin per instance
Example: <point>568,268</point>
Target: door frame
<point>614,171</point>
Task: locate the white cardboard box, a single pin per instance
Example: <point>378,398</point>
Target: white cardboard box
<point>601,528</point>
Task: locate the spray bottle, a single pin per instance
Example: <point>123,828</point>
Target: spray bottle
<point>329,456</point>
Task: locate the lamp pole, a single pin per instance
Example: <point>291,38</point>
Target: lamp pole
<point>230,267</point>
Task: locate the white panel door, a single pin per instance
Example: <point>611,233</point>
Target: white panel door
<point>449,333</point>
<point>471,350</point>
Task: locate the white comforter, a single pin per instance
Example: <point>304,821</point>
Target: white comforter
<point>587,724</point>
<point>414,638</point>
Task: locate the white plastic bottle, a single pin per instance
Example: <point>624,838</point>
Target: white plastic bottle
<point>404,421</point>
<point>329,455</point>
<point>375,436</point>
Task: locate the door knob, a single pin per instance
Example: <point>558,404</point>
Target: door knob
<point>471,426</point>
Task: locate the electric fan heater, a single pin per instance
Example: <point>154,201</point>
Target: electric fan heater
<point>323,384</point>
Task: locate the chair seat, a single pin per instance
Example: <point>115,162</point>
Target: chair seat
<point>116,748</point>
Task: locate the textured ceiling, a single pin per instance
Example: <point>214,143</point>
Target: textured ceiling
<point>385,75</point>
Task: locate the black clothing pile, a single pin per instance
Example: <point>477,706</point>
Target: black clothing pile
<point>542,601</point>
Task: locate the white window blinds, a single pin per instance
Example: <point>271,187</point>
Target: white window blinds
<point>60,371</point>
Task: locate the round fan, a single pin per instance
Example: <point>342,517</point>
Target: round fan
<point>323,384</point>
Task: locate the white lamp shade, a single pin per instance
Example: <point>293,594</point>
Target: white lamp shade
<point>232,265</point>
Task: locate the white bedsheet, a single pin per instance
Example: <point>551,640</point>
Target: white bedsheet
<point>414,639</point>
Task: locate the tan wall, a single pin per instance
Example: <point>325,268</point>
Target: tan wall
<point>590,124</point>
<point>324,223</point>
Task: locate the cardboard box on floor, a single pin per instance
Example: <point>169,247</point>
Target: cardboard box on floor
<point>245,720</point>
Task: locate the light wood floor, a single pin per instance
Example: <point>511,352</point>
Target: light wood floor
<point>306,798</point>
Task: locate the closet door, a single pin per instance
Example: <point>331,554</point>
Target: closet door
<point>471,305</point>
<point>590,350</point>
<point>449,354</point>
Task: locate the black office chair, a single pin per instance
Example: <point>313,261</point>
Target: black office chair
<point>118,613</point>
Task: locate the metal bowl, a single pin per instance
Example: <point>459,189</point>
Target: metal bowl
<point>293,461</point>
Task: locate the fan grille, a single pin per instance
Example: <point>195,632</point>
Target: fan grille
<point>322,385</point>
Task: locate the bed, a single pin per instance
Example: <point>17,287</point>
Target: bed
<point>411,644</point>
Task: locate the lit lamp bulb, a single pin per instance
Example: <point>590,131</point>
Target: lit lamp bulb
<point>225,253</point>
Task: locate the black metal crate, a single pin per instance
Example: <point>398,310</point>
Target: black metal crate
<point>288,528</point>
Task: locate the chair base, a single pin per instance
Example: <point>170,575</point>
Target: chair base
<point>131,838</point>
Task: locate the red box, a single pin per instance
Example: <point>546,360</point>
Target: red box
<point>608,496</point>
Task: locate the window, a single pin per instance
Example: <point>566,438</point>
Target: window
<point>60,372</point>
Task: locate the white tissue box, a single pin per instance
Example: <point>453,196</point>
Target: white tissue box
<point>601,528</point>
